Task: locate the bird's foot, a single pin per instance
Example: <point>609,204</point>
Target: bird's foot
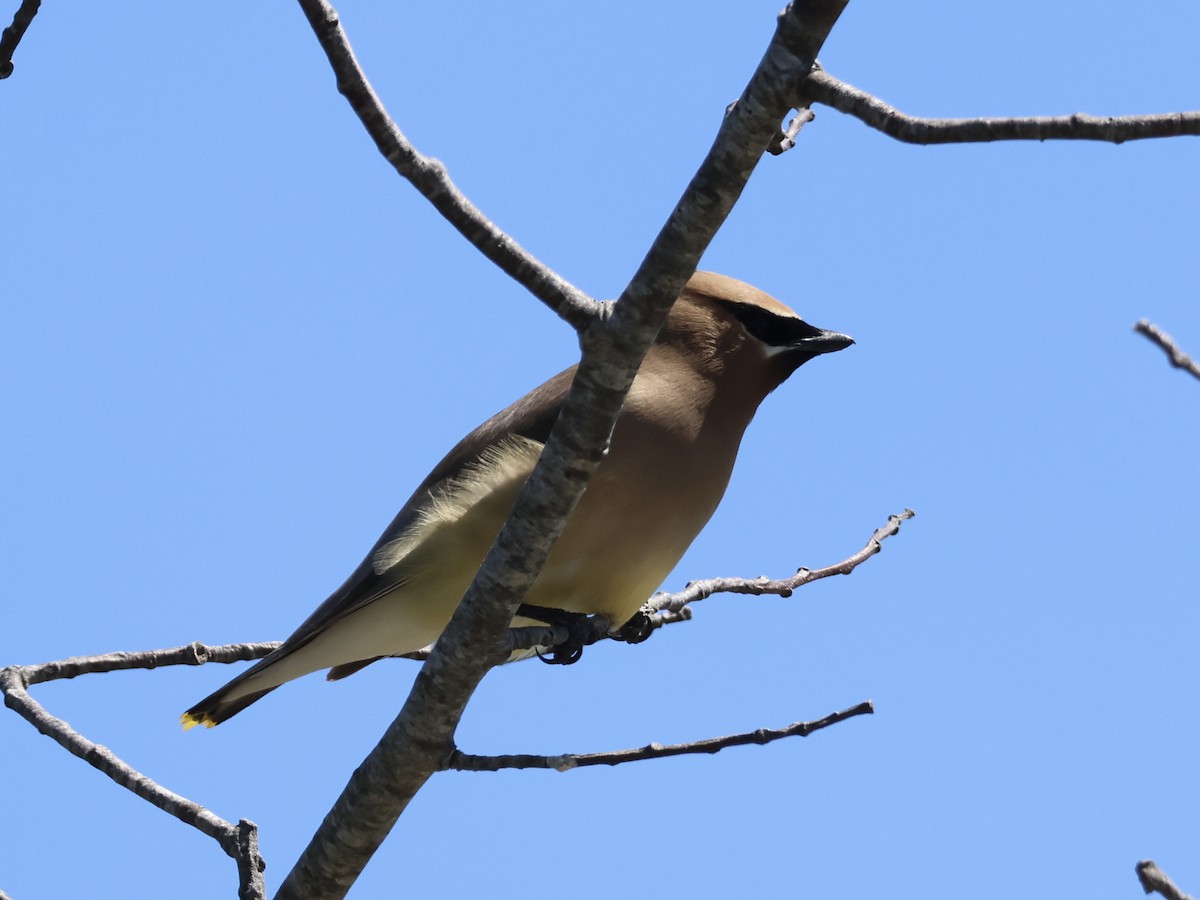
<point>637,629</point>
<point>579,633</point>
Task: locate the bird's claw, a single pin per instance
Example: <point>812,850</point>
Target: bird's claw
<point>637,629</point>
<point>562,655</point>
<point>579,633</point>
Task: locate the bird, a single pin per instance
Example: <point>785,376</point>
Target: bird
<point>725,345</point>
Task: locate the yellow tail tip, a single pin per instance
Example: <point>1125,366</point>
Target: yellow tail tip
<point>191,720</point>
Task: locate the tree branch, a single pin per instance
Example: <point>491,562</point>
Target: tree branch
<point>698,590</point>
<point>429,176</point>
<point>821,87</point>
<point>194,654</point>
<point>1155,879</point>
<point>241,840</point>
<point>420,740</point>
<point>1175,355</point>
<point>467,762</point>
<point>12,35</point>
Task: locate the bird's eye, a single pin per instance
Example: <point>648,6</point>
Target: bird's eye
<point>773,330</point>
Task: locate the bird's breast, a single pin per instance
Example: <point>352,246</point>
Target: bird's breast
<point>649,498</point>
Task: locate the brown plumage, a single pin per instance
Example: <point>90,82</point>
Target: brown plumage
<point>724,347</point>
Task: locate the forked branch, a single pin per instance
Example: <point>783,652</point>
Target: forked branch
<point>240,841</point>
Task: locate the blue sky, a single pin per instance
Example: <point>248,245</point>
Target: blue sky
<point>234,340</point>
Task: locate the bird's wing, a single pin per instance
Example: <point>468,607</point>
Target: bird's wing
<point>501,468</point>
<point>512,438</point>
<point>509,437</point>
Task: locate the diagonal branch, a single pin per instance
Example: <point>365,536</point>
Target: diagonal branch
<point>1175,355</point>
<point>12,35</point>
<point>698,590</point>
<point>821,87</point>
<point>240,841</point>
<point>467,762</point>
<point>420,739</point>
<point>429,176</point>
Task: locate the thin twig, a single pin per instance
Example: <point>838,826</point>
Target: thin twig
<point>1175,355</point>
<point>195,654</point>
<point>429,176</point>
<point>821,87</point>
<point>468,762</point>
<point>698,590</point>
<point>669,609</point>
<point>1154,879</point>
<point>240,841</point>
<point>12,35</point>
<point>786,139</point>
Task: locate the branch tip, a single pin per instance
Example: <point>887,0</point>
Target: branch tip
<point>1155,880</point>
<point>1175,355</point>
<point>12,35</point>
<point>699,590</point>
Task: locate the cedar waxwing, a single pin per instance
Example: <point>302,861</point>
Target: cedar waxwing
<point>724,347</point>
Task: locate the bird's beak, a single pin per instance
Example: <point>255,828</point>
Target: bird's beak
<point>823,342</point>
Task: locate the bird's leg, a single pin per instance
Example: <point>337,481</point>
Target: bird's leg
<point>579,631</point>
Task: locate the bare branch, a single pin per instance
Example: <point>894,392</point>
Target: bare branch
<point>1155,879</point>
<point>240,841</point>
<point>420,739</point>
<point>467,762</point>
<point>821,87</point>
<point>195,654</point>
<point>667,609</point>
<point>12,35</point>
<point>1175,355</point>
<point>698,590</point>
<point>429,176</point>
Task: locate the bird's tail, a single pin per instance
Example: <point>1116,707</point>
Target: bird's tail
<point>219,706</point>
